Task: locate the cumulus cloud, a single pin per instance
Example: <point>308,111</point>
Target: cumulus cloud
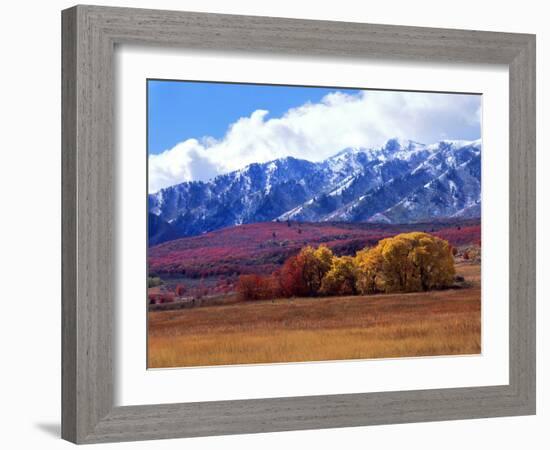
<point>315,131</point>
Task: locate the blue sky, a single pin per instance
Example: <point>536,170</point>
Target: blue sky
<point>182,110</point>
<point>200,130</point>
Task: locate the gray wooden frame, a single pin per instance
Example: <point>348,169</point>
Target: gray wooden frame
<point>89,36</point>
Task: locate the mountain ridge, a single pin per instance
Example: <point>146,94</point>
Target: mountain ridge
<point>401,182</point>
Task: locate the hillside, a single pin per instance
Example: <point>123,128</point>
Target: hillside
<point>263,247</point>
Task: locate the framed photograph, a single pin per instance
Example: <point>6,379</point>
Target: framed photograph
<point>268,222</point>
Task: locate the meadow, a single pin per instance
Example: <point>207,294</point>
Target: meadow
<point>439,322</point>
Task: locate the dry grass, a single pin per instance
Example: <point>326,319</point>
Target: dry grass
<point>396,325</point>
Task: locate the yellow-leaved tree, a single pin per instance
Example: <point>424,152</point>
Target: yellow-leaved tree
<point>341,278</point>
<point>407,262</point>
<point>314,264</point>
<point>323,256</point>
<point>369,263</point>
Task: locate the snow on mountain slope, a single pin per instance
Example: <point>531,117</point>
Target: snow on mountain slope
<point>402,182</point>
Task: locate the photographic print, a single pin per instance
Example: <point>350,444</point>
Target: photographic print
<point>298,223</point>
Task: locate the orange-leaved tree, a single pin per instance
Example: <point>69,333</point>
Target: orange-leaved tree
<point>291,278</point>
<point>302,275</point>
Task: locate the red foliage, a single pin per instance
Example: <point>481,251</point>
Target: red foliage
<point>180,290</point>
<point>460,236</point>
<point>257,287</point>
<point>253,249</point>
<point>161,297</point>
<point>262,248</point>
<point>292,278</point>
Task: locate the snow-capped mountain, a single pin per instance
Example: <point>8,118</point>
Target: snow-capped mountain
<point>402,182</point>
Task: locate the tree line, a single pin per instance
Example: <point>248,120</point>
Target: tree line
<point>407,262</point>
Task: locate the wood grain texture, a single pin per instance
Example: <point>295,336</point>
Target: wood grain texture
<point>68,226</point>
<point>522,224</point>
<point>89,36</point>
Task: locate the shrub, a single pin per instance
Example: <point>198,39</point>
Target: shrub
<point>154,281</point>
<point>180,290</point>
<point>161,297</point>
<point>472,253</point>
<point>257,287</point>
<point>201,290</point>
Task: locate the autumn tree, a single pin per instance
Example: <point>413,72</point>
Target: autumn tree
<point>341,278</point>
<point>369,263</point>
<point>407,262</point>
<point>291,278</point>
<point>270,286</point>
<point>247,287</point>
<point>302,275</point>
<point>315,265</point>
<point>433,262</point>
<point>322,263</point>
<point>310,270</point>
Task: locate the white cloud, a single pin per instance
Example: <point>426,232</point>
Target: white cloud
<point>315,131</point>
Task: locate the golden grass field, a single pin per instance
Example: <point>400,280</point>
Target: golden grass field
<point>432,323</point>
